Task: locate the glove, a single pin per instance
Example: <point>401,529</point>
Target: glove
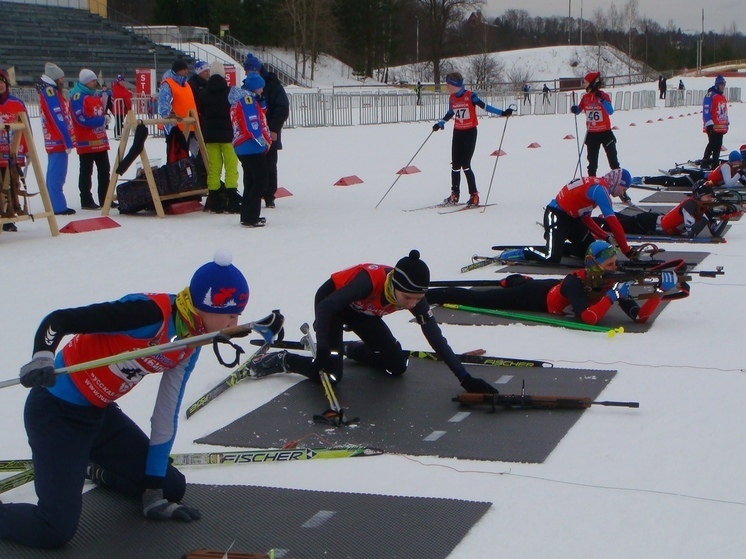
<point>599,95</point>
<point>619,291</point>
<point>39,371</point>
<point>668,281</point>
<point>155,507</point>
<point>508,112</point>
<point>575,110</point>
<point>477,385</point>
<point>439,125</point>
<point>270,327</point>
<point>710,128</point>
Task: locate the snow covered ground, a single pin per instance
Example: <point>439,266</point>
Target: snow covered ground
<point>665,480</point>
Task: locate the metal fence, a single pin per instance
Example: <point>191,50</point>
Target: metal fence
<point>349,108</point>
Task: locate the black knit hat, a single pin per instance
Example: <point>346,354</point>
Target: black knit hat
<point>411,274</point>
<point>178,66</point>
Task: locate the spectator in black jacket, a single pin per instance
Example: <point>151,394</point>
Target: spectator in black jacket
<point>217,130</point>
<point>278,110</point>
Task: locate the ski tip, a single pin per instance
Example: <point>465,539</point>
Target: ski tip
<point>614,331</point>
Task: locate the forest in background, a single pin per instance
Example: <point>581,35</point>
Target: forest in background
<point>371,35</point>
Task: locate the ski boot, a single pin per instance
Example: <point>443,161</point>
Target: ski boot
<point>452,200</point>
<point>473,200</point>
<point>268,364</point>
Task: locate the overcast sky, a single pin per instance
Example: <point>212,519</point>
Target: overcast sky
<point>686,14</point>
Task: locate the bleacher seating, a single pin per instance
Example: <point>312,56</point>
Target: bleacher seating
<point>34,34</point>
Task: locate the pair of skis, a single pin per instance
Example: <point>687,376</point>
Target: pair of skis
<point>450,208</point>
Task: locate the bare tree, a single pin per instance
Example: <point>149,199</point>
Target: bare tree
<point>310,22</point>
<point>441,15</point>
<point>485,70</point>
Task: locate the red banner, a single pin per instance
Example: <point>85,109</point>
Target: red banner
<point>144,82</point>
<point>230,74</point>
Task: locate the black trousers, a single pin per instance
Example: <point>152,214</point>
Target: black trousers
<point>103,172</point>
<point>462,149</point>
<point>63,439</point>
<point>712,150</point>
<point>269,195</point>
<point>520,294</point>
<point>594,141</point>
<point>255,177</point>
<point>380,350</point>
<point>558,228</point>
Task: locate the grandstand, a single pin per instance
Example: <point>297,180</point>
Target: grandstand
<point>73,38</point>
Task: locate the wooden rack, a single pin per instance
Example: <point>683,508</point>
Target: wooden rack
<point>191,123</point>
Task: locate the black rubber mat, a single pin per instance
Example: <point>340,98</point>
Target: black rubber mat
<point>665,197</point>
<point>613,319</point>
<point>414,414</point>
<point>693,257</point>
<point>658,209</point>
<point>296,524</point>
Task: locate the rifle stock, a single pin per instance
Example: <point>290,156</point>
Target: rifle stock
<point>525,401</point>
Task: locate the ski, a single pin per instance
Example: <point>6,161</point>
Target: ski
<point>434,206</point>
<point>480,262</point>
<point>231,380</point>
<point>465,207</point>
<point>271,455</point>
<point>474,357</point>
<point>14,465</point>
<point>227,457</point>
<point>550,320</point>
<point>673,239</point>
<point>16,480</point>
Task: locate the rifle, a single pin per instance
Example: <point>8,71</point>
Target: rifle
<point>524,401</point>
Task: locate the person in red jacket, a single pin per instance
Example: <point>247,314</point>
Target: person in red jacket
<point>567,217</point>
<point>59,138</point>
<point>91,139</point>
<point>598,109</point>
<point>10,107</point>
<point>576,293</point>
<point>357,299</point>
<point>122,103</point>
<point>715,122</point>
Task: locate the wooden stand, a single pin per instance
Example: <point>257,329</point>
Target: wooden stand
<point>191,122</point>
<point>24,127</point>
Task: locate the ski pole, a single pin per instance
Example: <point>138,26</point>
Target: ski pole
<point>334,415</point>
<point>577,140</point>
<point>407,165</point>
<point>497,158</point>
<point>222,336</point>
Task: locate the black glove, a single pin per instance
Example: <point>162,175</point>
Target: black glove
<point>599,95</point>
<point>508,112</point>
<point>710,128</point>
<point>439,125</point>
<point>39,371</point>
<point>633,253</point>
<point>155,507</point>
<point>575,110</point>
<point>477,385</point>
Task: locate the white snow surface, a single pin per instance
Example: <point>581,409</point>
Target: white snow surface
<point>664,480</point>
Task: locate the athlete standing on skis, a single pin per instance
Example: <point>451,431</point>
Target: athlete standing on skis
<point>462,108</point>
<point>357,299</point>
<point>76,429</point>
<point>598,108</point>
